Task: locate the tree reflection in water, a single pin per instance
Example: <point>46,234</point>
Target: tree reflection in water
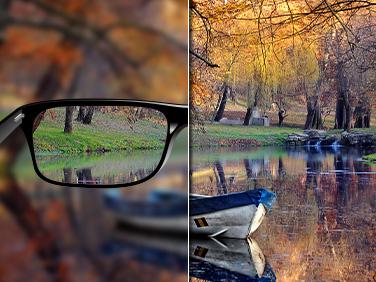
<point>322,226</point>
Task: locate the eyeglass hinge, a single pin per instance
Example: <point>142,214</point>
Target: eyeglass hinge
<point>19,117</point>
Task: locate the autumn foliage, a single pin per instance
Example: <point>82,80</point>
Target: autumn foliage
<point>316,56</point>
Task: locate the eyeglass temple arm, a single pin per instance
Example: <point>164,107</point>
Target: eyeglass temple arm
<point>10,124</point>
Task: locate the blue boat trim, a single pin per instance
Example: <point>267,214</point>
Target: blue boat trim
<point>205,205</point>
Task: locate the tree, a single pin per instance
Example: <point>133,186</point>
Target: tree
<point>81,113</point>
<point>68,124</point>
<point>362,115</point>
<point>89,115</point>
<point>85,114</point>
<point>281,116</point>
<point>223,100</point>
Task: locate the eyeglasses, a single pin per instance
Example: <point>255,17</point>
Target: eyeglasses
<point>97,142</point>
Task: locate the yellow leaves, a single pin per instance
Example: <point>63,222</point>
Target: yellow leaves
<point>199,93</point>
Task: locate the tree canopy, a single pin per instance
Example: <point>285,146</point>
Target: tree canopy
<point>317,53</point>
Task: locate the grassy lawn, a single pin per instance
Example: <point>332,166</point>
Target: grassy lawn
<point>232,135</point>
<point>110,133</point>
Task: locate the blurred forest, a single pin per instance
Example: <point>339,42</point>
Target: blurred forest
<point>310,60</point>
<point>124,49</point>
<point>83,49</point>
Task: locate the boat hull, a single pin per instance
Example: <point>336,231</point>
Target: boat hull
<point>239,222</point>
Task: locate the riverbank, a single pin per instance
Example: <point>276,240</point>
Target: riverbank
<point>220,135</point>
<point>223,135</point>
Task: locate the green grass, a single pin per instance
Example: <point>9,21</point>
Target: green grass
<point>229,135</point>
<point>53,140</point>
<point>110,133</point>
<point>370,158</point>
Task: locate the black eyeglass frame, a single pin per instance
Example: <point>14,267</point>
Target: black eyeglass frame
<point>24,117</point>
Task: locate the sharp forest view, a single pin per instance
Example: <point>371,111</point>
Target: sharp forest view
<point>307,64</point>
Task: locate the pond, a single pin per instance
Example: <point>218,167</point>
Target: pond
<point>322,227</point>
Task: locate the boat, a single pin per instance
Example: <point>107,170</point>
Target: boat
<point>162,211</point>
<point>214,259</point>
<point>235,215</point>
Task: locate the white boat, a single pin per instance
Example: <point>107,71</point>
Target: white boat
<point>228,260</point>
<point>235,215</point>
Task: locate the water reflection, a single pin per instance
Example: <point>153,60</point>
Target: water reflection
<point>228,260</point>
<point>322,227</point>
<point>99,168</point>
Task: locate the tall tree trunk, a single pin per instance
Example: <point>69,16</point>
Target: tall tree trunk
<point>281,117</point>
<point>68,127</point>
<point>362,115</point>
<point>81,113</point>
<point>247,118</point>
<point>348,119</point>
<point>89,115</point>
<point>313,119</point>
<point>222,105</point>
<point>343,107</point>
<point>340,110</point>
<point>367,120</point>
<point>248,114</point>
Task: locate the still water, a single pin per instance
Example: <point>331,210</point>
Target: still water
<point>99,168</point>
<point>322,227</point>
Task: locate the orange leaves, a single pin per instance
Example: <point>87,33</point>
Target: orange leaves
<point>70,6</point>
<point>21,42</point>
<point>43,47</point>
